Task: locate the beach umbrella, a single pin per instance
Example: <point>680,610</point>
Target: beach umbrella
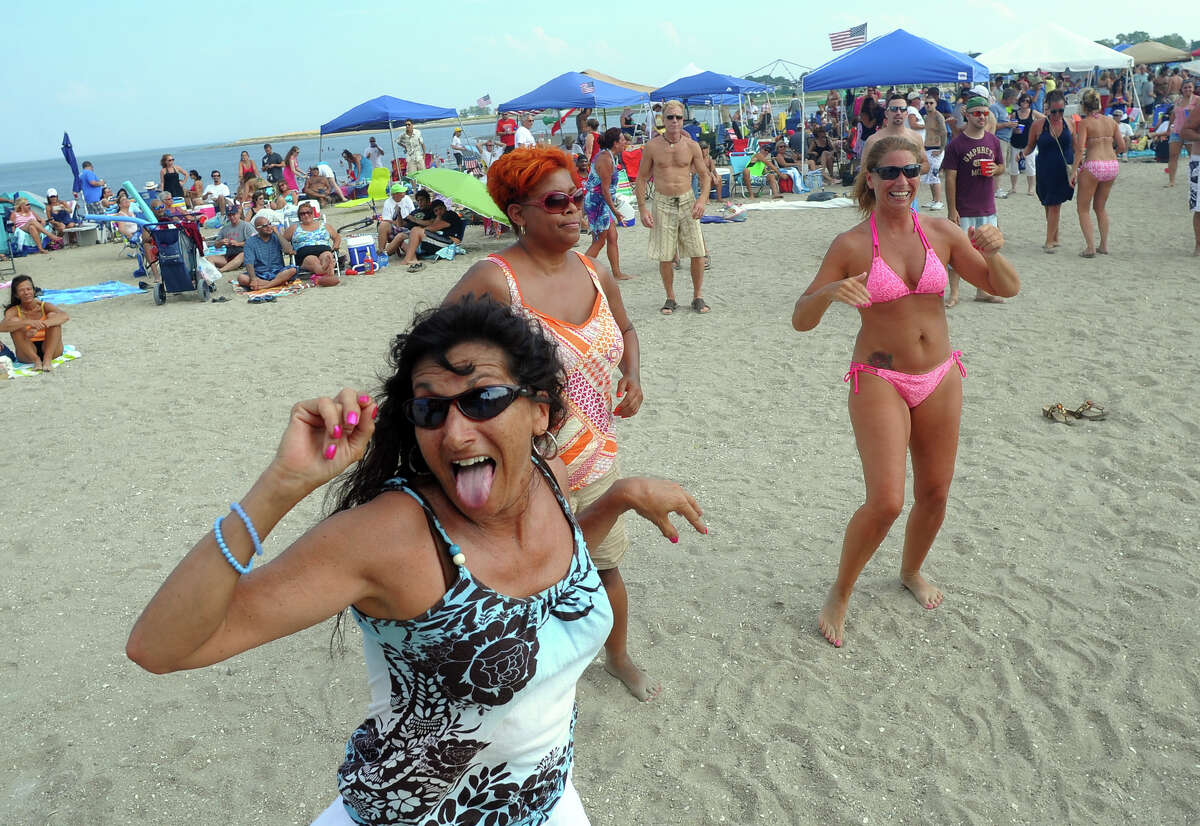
<point>69,153</point>
<point>463,189</point>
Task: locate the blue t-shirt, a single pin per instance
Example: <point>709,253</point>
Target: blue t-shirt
<point>266,257</point>
<point>1001,113</point>
<point>91,191</point>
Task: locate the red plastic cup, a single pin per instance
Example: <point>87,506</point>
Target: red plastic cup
<point>986,168</point>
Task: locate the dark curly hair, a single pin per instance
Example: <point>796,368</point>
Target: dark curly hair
<point>532,361</point>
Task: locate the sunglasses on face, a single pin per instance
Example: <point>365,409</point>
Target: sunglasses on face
<point>977,114</point>
<point>557,202</point>
<point>891,173</point>
<point>897,108</point>
<point>478,404</point>
<point>1057,111</point>
<point>673,117</point>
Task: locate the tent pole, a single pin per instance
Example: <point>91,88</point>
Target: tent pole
<point>392,145</point>
<point>804,130</point>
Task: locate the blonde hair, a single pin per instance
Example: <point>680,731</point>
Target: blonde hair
<point>1089,100</point>
<point>678,104</point>
<point>863,194</point>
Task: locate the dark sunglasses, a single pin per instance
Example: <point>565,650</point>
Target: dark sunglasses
<point>478,404</point>
<point>557,202</point>
<point>891,173</point>
<point>897,108</point>
<point>673,117</point>
<point>1057,111</point>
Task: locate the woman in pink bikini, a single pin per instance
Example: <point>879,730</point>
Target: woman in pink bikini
<point>1097,142</point>
<point>906,389</point>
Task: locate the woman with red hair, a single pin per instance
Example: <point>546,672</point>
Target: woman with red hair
<point>576,300</point>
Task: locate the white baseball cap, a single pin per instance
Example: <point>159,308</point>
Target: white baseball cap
<point>51,193</point>
<point>981,90</point>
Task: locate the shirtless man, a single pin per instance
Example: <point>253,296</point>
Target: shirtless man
<point>674,217</point>
<point>895,124</point>
<point>1191,132</point>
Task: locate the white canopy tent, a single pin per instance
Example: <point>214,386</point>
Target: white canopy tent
<point>1052,48</point>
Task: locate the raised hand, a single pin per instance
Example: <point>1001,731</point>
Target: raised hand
<point>987,239</point>
<point>323,437</point>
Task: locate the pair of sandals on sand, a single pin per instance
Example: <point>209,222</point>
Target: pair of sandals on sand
<point>1088,411</point>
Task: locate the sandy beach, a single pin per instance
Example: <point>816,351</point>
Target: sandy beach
<point>1058,683</point>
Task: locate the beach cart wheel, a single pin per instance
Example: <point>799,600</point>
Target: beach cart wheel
<point>160,293</point>
<point>204,288</point>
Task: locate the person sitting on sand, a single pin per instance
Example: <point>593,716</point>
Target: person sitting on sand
<point>395,210</point>
<point>264,258</point>
<point>907,396</point>
<point>321,188</point>
<point>316,246</point>
<point>59,214</point>
<point>35,326</point>
<point>453,549</point>
<point>232,235</point>
<point>446,227</point>
<point>578,303</point>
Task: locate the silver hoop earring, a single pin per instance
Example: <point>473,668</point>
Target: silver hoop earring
<point>542,454</point>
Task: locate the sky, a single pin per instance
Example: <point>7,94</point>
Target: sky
<point>139,74</point>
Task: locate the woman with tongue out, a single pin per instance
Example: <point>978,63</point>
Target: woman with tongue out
<point>458,555</point>
<point>577,301</point>
<point>906,394</point>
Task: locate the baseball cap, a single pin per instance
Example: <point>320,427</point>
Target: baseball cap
<point>976,102</point>
<point>458,129</point>
<point>51,191</point>
<point>399,186</point>
<point>980,90</point>
<point>232,209</point>
<point>914,95</point>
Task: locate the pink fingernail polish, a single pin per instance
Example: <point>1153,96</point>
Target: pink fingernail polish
<point>330,451</point>
<point>375,413</point>
<point>364,398</point>
<point>675,540</point>
<point>337,431</point>
<point>706,531</point>
<point>352,418</point>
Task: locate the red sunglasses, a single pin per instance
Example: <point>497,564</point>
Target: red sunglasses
<point>557,202</point>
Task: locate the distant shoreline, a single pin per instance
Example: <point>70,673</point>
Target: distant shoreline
<point>316,133</point>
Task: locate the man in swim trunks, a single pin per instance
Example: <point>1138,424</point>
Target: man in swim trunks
<point>896,123</point>
<point>323,189</point>
<point>1191,132</point>
<point>674,216</point>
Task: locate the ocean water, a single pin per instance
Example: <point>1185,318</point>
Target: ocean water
<point>143,165</point>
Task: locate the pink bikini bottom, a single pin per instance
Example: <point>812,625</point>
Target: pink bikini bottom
<point>1103,170</point>
<point>913,388</point>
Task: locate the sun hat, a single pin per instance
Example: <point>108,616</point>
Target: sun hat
<point>399,186</point>
<point>51,193</point>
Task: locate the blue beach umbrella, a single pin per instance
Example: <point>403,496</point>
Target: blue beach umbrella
<point>69,153</point>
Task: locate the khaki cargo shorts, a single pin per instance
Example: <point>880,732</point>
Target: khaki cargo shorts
<point>675,230</point>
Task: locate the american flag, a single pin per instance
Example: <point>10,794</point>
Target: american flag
<point>848,39</point>
<point>486,100</point>
<point>587,88</point>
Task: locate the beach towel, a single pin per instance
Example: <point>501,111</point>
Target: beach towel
<point>291,288</point>
<point>93,292</point>
<point>21,369</point>
<point>830,204</point>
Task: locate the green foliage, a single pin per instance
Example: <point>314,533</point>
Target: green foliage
<point>1173,40</point>
<point>1141,37</point>
<point>783,85</point>
<point>474,112</point>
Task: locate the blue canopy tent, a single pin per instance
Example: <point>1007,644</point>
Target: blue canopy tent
<point>709,89</point>
<point>894,58</point>
<point>573,90</point>
<point>381,113</point>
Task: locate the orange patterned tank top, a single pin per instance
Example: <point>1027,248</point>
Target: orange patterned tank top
<point>589,352</point>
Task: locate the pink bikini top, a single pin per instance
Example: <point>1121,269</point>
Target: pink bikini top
<point>885,285</point>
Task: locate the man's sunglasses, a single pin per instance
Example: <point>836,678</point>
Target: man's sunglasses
<point>897,108</point>
<point>1056,111</point>
<point>478,404</point>
<point>891,173</point>
<point>673,117</point>
<point>557,202</point>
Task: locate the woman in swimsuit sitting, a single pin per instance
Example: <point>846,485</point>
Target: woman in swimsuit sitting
<point>907,394</point>
<point>1096,146</point>
<point>24,218</point>
<point>316,247</point>
<point>35,326</point>
<point>453,549</point>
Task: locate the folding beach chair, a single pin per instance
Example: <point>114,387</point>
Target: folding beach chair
<point>377,189</point>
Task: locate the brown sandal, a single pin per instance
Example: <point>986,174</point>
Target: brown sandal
<point>1090,411</point>
<point>1057,413</point>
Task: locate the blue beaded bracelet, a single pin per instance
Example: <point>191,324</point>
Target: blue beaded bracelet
<point>236,508</point>
<point>230,558</point>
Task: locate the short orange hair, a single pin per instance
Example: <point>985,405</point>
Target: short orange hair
<point>513,176</point>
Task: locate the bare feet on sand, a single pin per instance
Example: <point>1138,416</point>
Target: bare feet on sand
<point>951,301</point>
<point>989,299</point>
<point>622,276</point>
<point>924,592</point>
<point>832,619</point>
<point>636,680</point>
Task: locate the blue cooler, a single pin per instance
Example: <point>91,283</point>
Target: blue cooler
<point>359,248</point>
